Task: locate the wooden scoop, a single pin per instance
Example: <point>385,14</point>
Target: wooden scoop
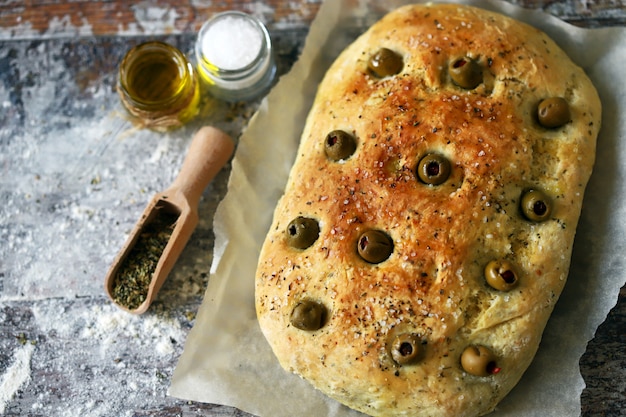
<point>210,149</point>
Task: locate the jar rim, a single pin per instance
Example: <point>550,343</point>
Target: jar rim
<point>170,52</point>
<point>243,71</point>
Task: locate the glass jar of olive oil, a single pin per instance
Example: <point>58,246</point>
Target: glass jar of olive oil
<point>158,86</point>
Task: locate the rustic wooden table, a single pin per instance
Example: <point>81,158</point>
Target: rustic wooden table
<point>64,349</point>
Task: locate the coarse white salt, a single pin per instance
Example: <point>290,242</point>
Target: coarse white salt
<point>232,43</point>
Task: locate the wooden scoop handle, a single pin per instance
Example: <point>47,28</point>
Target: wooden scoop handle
<point>210,149</point>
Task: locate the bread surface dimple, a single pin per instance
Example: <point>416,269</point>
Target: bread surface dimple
<point>432,285</point>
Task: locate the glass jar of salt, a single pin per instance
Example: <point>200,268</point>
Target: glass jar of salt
<point>234,54</point>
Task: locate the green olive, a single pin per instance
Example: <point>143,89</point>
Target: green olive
<point>480,361</point>
<point>302,232</point>
<point>405,349</point>
<point>553,112</point>
<point>374,246</point>
<point>339,145</point>
<point>465,72</point>
<point>385,62</point>
<point>536,205</point>
<point>433,169</point>
<point>308,315</point>
<point>501,275</point>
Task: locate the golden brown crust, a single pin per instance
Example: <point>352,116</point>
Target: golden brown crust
<point>432,285</point>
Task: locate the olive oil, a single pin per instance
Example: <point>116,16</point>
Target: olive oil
<point>158,86</point>
<point>154,77</point>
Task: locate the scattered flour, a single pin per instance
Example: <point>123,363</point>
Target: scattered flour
<point>57,27</point>
<point>155,20</point>
<point>260,9</point>
<point>64,25</point>
<point>130,357</point>
<point>16,375</point>
<point>106,325</point>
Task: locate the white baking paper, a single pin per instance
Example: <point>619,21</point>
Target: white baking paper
<point>226,359</point>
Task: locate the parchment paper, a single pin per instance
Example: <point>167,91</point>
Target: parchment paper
<point>226,359</point>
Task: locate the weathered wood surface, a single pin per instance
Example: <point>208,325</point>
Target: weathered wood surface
<point>64,347</point>
<point>105,17</point>
<point>32,19</point>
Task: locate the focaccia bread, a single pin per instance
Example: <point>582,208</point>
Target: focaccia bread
<point>426,229</point>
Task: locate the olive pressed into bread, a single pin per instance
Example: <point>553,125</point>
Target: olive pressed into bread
<point>426,229</point>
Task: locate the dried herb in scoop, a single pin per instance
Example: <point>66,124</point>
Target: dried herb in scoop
<point>130,286</point>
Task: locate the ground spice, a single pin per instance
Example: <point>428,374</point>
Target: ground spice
<point>130,286</point>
